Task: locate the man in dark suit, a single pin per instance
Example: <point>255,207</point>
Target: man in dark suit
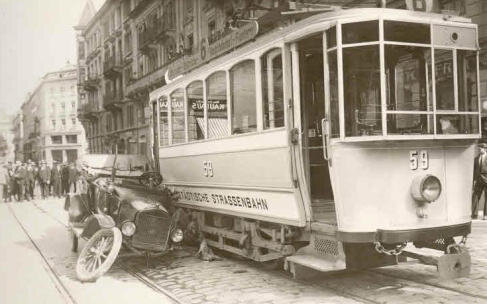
<point>73,177</point>
<point>479,180</point>
<point>65,178</point>
<point>30,181</point>
<point>44,179</point>
<point>56,180</point>
<point>21,179</point>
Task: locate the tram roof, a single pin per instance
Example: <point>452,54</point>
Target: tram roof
<point>301,29</point>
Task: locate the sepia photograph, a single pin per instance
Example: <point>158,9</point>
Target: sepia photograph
<point>243,151</point>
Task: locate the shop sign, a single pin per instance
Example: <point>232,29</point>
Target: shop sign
<point>209,51</point>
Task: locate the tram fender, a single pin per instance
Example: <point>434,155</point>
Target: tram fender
<point>96,222</point>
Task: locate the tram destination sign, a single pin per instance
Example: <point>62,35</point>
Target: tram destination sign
<point>208,51</point>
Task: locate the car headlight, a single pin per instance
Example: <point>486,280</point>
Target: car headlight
<point>128,228</point>
<point>426,188</point>
<point>177,235</point>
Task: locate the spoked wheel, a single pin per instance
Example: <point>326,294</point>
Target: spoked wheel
<point>98,255</point>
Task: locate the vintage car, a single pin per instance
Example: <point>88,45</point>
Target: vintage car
<point>112,211</point>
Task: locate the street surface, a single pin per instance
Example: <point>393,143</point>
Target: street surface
<point>37,266</point>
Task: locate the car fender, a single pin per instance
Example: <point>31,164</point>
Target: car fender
<point>96,222</point>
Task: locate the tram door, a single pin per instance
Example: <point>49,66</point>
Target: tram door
<point>312,112</point>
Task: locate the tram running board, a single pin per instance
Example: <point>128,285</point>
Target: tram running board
<point>323,254</point>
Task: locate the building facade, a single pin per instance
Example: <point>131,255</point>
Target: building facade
<point>47,127</point>
<point>130,47</point>
<point>18,136</point>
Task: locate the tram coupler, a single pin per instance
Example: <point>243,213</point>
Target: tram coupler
<point>450,265</point>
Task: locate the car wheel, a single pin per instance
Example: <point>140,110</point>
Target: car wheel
<point>98,255</point>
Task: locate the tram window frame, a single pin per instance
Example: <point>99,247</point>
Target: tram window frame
<point>272,108</point>
<point>195,106</point>
<point>238,100</point>
<point>163,123</point>
<point>217,133</point>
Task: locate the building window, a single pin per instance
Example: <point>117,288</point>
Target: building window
<point>63,106</point>
<point>242,82</point>
<point>57,140</point>
<point>73,105</point>
<point>53,123</point>
<point>63,121</point>
<point>71,139</point>
<point>73,121</point>
<point>164,122</point>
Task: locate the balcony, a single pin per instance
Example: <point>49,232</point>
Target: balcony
<point>112,67</point>
<point>90,83</point>
<point>139,8</point>
<point>87,111</point>
<point>112,101</point>
<point>160,28</point>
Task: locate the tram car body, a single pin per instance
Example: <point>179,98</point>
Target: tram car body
<point>332,142</point>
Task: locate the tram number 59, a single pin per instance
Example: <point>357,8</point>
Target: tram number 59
<point>418,159</point>
<point>207,169</point>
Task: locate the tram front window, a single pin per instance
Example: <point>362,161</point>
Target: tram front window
<point>408,88</point>
<point>361,82</point>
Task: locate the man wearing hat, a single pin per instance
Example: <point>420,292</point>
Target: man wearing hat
<point>56,179</point>
<point>44,179</point>
<point>21,179</point>
<point>479,180</point>
<point>4,181</point>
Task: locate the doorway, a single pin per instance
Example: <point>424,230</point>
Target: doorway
<point>312,112</point>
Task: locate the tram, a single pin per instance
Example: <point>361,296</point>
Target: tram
<point>332,143</point>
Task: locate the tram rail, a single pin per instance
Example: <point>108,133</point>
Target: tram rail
<point>58,282</point>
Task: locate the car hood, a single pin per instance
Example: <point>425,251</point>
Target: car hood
<point>140,198</point>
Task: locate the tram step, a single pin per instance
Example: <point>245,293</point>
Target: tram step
<point>305,266</point>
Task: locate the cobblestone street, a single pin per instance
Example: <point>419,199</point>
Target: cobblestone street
<point>181,277</point>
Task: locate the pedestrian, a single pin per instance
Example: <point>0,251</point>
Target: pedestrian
<point>4,181</point>
<point>73,177</point>
<point>30,180</point>
<point>56,180</point>
<point>12,184</point>
<point>479,181</point>
<point>65,178</point>
<point>21,180</point>
<point>45,179</point>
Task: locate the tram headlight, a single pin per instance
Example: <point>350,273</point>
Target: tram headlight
<point>128,228</point>
<point>426,188</point>
<point>177,235</point>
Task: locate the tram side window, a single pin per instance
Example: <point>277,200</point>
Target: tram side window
<point>467,81</point>
<point>361,81</point>
<point>195,108</point>
<point>177,117</point>
<point>216,94</point>
<point>242,82</point>
<point>445,96</point>
<point>457,124</point>
<point>272,91</point>
<point>334,105</point>
<point>163,121</point>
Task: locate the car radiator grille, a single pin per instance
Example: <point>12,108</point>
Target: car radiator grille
<point>152,230</point>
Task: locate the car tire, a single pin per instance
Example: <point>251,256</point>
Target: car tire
<point>98,255</point>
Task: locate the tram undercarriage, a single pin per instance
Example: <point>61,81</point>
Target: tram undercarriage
<point>310,254</point>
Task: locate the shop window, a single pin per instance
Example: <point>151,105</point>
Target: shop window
<point>242,82</point>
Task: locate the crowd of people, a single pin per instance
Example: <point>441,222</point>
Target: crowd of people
<point>23,181</point>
